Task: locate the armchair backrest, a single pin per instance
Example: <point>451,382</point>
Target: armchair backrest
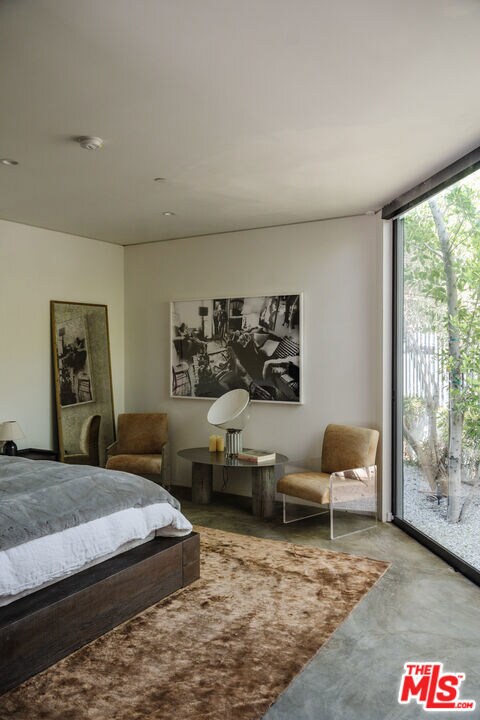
<point>89,437</point>
<point>142,433</point>
<point>348,448</point>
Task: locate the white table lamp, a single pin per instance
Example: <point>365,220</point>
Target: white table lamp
<point>231,413</point>
<point>10,431</point>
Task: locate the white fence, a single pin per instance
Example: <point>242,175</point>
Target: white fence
<point>424,371</point>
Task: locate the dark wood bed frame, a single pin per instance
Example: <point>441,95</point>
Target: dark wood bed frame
<point>40,629</point>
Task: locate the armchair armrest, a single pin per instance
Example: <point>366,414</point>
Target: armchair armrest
<point>367,475</point>
<point>112,449</point>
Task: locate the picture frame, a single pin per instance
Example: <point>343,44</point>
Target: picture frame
<point>222,343</point>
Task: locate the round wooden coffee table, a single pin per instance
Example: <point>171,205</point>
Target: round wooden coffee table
<point>263,477</point>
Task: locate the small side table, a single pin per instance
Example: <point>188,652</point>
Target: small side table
<point>38,454</point>
<point>262,474</point>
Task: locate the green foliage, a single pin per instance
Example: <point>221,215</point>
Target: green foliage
<point>425,303</point>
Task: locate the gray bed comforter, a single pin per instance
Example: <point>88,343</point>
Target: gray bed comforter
<point>39,497</point>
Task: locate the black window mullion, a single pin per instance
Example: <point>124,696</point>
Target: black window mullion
<point>397,369</point>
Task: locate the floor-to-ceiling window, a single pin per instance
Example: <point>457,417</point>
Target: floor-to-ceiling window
<point>437,369</point>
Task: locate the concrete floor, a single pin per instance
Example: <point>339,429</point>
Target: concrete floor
<point>420,610</point>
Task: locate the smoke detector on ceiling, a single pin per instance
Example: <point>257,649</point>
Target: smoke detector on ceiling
<point>87,142</point>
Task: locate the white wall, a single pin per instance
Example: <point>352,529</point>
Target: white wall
<point>37,266</point>
<point>337,264</point>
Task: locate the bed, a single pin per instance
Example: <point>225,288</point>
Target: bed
<point>81,550</point>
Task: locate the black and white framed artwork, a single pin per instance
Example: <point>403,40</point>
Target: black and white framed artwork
<point>73,360</point>
<point>222,344</point>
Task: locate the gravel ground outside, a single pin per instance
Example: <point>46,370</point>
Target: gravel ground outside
<point>462,538</point>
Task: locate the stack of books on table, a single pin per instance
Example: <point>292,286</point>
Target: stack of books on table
<point>256,456</point>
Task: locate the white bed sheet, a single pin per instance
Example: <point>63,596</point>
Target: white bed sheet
<point>7,599</point>
<point>35,564</point>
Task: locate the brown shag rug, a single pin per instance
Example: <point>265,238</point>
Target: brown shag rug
<point>223,648</point>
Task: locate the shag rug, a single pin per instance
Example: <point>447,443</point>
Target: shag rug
<point>223,648</point>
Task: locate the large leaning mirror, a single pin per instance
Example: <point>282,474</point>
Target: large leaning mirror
<point>83,381</point>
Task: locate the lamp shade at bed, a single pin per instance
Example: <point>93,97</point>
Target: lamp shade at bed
<point>10,431</point>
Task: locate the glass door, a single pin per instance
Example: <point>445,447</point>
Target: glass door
<point>437,359</point>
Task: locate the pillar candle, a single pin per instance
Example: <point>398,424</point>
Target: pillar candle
<point>220,443</point>
<point>212,443</point>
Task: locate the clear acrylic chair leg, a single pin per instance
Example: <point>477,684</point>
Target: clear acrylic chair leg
<point>302,517</point>
<point>353,502</point>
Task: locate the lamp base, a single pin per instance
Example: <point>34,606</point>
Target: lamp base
<point>233,443</point>
<point>9,448</point>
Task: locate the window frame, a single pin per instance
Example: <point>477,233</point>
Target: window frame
<point>461,168</point>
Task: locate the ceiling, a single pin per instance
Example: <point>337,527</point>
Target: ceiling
<point>256,112</point>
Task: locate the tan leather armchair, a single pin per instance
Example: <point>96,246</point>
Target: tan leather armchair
<point>142,446</point>
<point>89,437</point>
<point>348,477</point>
